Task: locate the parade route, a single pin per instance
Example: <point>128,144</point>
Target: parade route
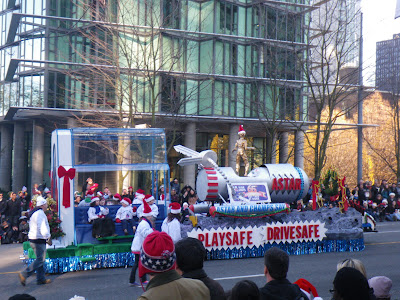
<point>381,257</point>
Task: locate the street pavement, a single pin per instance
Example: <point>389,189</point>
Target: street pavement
<point>380,257</point>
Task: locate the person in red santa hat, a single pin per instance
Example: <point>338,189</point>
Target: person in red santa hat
<point>308,289</point>
<point>115,200</point>
<point>125,215</point>
<point>154,208</point>
<point>171,224</point>
<point>145,227</point>
<point>102,226</point>
<point>139,196</point>
<point>158,259</point>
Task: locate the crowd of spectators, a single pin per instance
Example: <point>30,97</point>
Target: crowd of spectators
<point>176,272</point>
<point>380,201</point>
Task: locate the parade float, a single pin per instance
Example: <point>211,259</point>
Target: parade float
<point>251,213</point>
<point>110,156</point>
<point>238,217</point>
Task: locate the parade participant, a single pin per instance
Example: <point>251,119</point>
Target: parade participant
<point>186,213</point>
<point>106,193</point>
<point>171,224</point>
<point>162,195</point>
<point>157,259</point>
<point>102,226</point>
<point>144,228</point>
<point>87,200</point>
<point>131,194</point>
<point>154,208</point>
<point>139,196</point>
<point>125,215</point>
<point>39,235</point>
<point>87,186</point>
<point>116,199</point>
<point>276,266</point>
<point>190,256</point>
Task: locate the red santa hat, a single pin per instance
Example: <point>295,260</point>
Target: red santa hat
<point>89,193</point>
<point>139,194</point>
<point>149,198</point>
<point>241,130</point>
<point>308,289</point>
<point>100,194</point>
<point>126,201</point>
<point>94,199</point>
<point>157,254</point>
<point>175,208</point>
<point>117,197</point>
<point>147,209</point>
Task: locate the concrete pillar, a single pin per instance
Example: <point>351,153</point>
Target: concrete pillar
<point>37,154</point>
<point>5,157</point>
<point>189,172</point>
<point>19,164</point>
<point>271,147</point>
<point>299,149</point>
<point>233,137</point>
<point>283,147</point>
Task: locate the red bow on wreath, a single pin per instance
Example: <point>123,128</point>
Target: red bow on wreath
<point>70,174</point>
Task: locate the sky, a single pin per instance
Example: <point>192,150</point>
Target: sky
<point>378,25</point>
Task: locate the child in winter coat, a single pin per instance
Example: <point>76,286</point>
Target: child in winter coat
<point>154,208</point>
<point>125,215</point>
<point>171,224</point>
<point>102,226</point>
<point>144,228</point>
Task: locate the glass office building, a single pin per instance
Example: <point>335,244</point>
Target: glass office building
<point>199,68</point>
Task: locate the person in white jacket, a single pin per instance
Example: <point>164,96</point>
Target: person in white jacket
<point>144,228</point>
<point>154,208</point>
<point>172,224</point>
<point>102,226</point>
<point>125,215</point>
<point>139,196</point>
<point>39,235</point>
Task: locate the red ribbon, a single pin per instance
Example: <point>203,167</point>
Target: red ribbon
<point>70,174</point>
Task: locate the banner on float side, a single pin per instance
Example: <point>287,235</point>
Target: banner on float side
<point>229,237</point>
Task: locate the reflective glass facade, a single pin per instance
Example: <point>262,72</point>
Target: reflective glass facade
<point>207,58</point>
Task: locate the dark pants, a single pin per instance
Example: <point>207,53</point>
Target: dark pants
<point>134,268</point>
<point>126,224</point>
<point>103,227</point>
<point>37,265</point>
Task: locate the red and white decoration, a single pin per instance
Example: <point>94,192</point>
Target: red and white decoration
<point>225,238</point>
<point>66,176</point>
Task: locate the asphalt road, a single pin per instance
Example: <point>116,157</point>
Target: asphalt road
<point>380,257</point>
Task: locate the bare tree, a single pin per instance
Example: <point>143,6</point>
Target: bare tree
<point>132,63</point>
<point>332,48</point>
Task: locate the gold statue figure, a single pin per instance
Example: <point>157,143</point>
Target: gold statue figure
<point>241,147</point>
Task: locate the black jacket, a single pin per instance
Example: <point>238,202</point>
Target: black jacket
<point>13,208</point>
<point>281,289</point>
<point>216,290</point>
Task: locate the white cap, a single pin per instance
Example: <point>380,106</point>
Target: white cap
<point>40,201</point>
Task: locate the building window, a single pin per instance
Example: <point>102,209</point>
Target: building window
<point>170,94</point>
<point>228,17</point>
<point>171,14</point>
